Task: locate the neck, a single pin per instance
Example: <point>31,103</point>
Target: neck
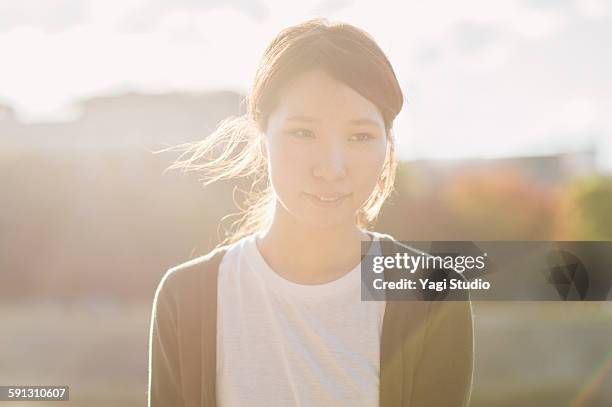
<point>308,255</point>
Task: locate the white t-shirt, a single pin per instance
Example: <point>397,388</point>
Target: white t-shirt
<point>280,343</point>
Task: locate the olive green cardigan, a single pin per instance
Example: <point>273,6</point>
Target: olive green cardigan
<point>426,349</point>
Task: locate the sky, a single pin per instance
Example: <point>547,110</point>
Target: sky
<point>481,78</point>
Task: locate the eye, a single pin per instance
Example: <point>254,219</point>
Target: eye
<point>361,137</point>
<point>301,133</point>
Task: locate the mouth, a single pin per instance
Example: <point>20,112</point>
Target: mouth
<point>327,200</point>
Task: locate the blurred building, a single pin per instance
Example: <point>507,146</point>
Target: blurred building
<point>545,170</point>
<point>129,121</point>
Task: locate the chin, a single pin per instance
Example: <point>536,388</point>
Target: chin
<point>328,221</point>
<point>311,217</point>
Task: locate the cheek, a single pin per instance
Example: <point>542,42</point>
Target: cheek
<point>286,166</point>
<point>369,167</point>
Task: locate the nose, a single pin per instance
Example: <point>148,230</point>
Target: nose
<point>330,163</point>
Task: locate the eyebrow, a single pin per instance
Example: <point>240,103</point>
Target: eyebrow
<point>299,118</point>
<point>364,121</point>
<point>308,119</point>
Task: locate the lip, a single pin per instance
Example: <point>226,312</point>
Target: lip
<point>329,195</point>
<point>313,198</point>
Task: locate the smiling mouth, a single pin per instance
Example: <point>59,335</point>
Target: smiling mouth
<point>327,199</point>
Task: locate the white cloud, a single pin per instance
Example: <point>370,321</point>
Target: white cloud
<point>593,8</point>
<point>540,23</point>
<point>49,15</point>
<point>579,115</point>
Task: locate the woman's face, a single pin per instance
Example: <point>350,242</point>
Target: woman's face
<point>326,146</point>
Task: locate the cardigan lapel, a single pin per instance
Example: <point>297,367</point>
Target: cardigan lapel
<point>401,344</point>
<point>391,360</point>
<point>208,393</point>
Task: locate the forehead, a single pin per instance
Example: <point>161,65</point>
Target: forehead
<point>318,95</point>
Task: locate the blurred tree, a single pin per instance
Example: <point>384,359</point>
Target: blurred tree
<point>415,211</point>
<point>585,211</point>
<point>500,204</point>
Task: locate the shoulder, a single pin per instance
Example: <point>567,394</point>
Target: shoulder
<point>199,263</point>
<point>383,236</point>
<point>192,273</point>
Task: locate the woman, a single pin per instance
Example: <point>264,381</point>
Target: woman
<point>273,317</point>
